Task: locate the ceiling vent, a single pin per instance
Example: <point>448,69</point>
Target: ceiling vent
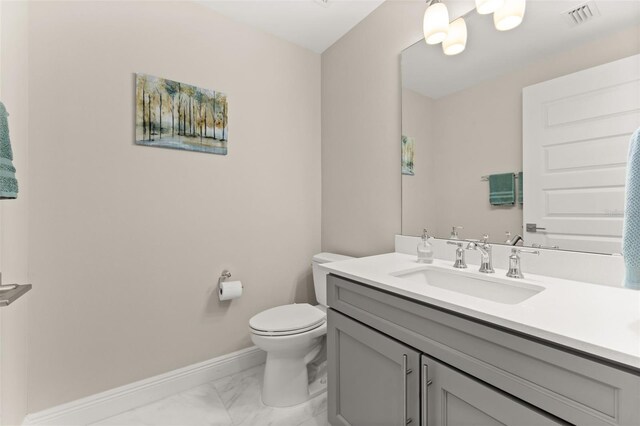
<point>581,14</point>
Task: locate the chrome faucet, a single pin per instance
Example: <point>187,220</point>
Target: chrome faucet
<point>513,241</point>
<point>460,261</point>
<point>485,250</point>
<point>515,270</point>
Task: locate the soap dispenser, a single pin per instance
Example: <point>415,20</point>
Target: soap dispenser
<point>454,233</point>
<point>425,249</point>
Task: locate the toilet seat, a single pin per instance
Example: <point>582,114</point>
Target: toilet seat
<point>287,320</point>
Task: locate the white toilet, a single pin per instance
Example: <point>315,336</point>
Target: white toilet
<point>292,336</point>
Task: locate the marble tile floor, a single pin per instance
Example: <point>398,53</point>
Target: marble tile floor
<point>229,401</point>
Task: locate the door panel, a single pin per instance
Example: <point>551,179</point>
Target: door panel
<point>451,398</point>
<point>460,413</point>
<point>373,380</point>
<point>576,132</point>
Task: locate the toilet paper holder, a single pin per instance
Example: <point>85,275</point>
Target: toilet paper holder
<point>228,290</point>
<point>225,275</point>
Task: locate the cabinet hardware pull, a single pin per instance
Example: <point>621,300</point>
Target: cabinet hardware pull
<point>425,400</point>
<point>405,372</point>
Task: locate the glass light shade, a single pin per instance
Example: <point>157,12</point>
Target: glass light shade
<point>485,7</point>
<point>456,41</point>
<point>436,23</point>
<point>509,15</point>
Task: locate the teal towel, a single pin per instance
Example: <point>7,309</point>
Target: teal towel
<point>631,234</point>
<point>8,182</point>
<point>502,189</point>
<point>520,191</point>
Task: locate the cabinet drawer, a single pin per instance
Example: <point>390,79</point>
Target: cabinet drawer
<point>571,387</point>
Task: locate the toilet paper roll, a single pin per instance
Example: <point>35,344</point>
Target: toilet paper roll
<point>230,290</point>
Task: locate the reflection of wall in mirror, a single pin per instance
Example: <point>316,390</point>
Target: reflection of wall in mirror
<point>478,131</point>
<point>417,191</point>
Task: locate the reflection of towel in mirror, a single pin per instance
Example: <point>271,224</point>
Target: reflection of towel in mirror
<point>631,235</point>
<point>502,189</point>
<point>521,188</point>
<point>8,182</point>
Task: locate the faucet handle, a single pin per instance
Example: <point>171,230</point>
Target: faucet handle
<point>460,262</point>
<point>535,245</point>
<point>515,270</point>
<point>485,239</point>
<point>517,251</point>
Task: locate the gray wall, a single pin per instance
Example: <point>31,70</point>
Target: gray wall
<point>14,319</point>
<point>419,210</point>
<point>127,242</point>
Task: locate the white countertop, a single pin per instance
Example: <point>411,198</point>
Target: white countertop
<point>600,320</point>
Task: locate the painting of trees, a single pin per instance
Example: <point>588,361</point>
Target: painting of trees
<point>408,151</point>
<point>176,115</point>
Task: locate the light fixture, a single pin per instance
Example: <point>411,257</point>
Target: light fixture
<point>509,15</point>
<point>485,7</point>
<point>456,40</point>
<point>436,23</point>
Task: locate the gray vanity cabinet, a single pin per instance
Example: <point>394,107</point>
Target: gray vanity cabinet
<point>479,374</point>
<point>374,379</point>
<point>451,398</point>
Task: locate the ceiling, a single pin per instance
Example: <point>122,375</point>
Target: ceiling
<point>490,53</point>
<point>312,24</point>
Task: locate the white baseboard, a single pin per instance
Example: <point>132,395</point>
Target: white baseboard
<point>115,401</point>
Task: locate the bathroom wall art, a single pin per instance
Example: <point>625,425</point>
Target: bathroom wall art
<point>176,115</point>
<point>408,144</point>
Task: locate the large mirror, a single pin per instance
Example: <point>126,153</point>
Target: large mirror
<point>526,131</point>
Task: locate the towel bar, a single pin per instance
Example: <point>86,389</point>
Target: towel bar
<point>486,177</point>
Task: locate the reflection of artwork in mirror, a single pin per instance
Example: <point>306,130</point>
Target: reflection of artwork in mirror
<point>553,99</point>
<point>408,144</point>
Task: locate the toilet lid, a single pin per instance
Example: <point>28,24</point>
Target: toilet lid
<point>288,318</point>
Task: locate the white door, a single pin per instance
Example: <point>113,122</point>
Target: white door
<point>576,132</point>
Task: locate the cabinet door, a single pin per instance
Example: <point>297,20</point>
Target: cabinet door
<point>373,379</point>
<point>451,398</point>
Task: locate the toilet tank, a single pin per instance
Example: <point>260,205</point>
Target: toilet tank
<point>320,277</point>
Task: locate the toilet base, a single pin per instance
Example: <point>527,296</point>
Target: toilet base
<point>286,374</point>
<point>286,381</point>
<point>319,385</point>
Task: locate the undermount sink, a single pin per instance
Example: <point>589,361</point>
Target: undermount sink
<point>495,289</point>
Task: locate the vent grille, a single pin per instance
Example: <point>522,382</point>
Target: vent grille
<point>581,14</point>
